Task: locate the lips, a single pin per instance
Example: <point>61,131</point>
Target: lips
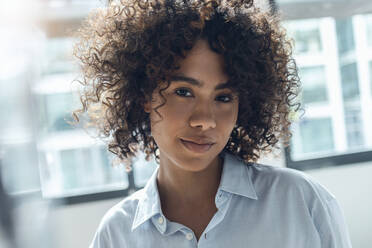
<point>197,147</point>
<point>200,140</point>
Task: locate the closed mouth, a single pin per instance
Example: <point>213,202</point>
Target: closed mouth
<point>195,147</point>
<point>208,143</point>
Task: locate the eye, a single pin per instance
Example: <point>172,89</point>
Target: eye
<point>225,98</point>
<point>183,92</point>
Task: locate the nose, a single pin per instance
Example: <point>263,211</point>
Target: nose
<point>203,117</point>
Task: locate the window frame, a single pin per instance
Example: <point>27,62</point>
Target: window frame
<point>99,196</point>
<point>329,161</point>
<point>78,199</point>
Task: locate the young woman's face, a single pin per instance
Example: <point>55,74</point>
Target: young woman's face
<point>199,113</point>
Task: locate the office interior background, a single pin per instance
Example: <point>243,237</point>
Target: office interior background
<point>59,180</point>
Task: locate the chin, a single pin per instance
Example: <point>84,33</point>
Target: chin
<point>195,163</point>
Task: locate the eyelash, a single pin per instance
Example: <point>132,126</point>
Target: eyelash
<point>176,91</point>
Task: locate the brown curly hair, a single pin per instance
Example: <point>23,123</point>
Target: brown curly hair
<point>129,47</point>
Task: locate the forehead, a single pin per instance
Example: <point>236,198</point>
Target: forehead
<point>203,64</point>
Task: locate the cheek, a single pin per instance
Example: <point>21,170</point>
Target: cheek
<point>228,117</point>
<point>171,117</point>
<point>172,110</point>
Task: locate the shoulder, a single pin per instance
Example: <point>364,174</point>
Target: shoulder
<point>116,223</point>
<point>289,182</point>
<point>301,195</point>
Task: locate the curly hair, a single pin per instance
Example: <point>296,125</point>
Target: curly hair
<point>129,47</point>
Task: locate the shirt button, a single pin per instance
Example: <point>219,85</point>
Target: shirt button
<point>189,236</point>
<point>161,220</point>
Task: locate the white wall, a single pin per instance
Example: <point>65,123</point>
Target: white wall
<point>352,186</point>
<point>74,226</point>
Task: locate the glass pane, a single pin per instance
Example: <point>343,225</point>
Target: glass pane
<point>306,34</point>
<point>345,36</point>
<point>353,121</point>
<point>368,19</point>
<point>71,162</point>
<point>314,84</point>
<point>349,81</point>
<point>80,171</point>
<point>322,127</point>
<point>19,167</point>
<point>15,109</point>
<point>58,56</point>
<point>55,111</point>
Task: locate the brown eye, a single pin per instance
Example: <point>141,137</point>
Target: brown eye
<point>183,92</point>
<point>225,98</point>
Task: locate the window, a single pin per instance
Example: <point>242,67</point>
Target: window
<point>40,151</point>
<point>19,160</point>
<point>70,169</point>
<point>323,143</point>
<point>345,37</point>
<point>334,55</point>
<point>314,84</point>
<point>349,82</point>
<point>306,33</point>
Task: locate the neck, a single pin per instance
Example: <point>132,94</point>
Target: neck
<point>179,188</point>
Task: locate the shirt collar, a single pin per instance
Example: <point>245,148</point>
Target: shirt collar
<point>235,179</point>
<point>149,204</point>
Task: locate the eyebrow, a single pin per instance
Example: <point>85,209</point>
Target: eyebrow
<point>182,78</point>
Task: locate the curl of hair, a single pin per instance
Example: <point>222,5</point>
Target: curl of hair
<point>127,48</point>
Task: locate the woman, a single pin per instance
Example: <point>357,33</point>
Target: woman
<point>205,87</point>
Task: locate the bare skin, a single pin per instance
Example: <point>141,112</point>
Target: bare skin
<point>204,113</point>
<point>193,209</point>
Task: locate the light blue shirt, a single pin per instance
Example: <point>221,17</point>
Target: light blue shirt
<point>259,206</point>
